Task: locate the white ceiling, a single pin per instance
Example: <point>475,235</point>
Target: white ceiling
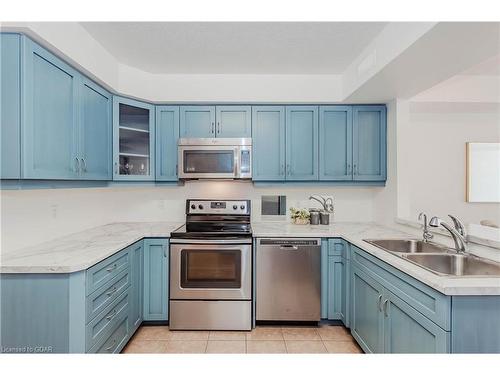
<point>235,48</point>
<point>490,67</point>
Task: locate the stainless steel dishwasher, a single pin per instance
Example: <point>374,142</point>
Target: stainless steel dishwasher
<point>288,279</point>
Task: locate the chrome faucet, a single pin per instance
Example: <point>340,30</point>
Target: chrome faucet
<point>427,235</point>
<point>459,227</point>
<point>326,203</point>
<point>458,238</point>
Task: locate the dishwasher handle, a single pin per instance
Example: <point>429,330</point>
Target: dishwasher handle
<point>289,247</point>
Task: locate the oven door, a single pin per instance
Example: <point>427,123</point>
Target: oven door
<point>208,162</point>
<point>210,271</point>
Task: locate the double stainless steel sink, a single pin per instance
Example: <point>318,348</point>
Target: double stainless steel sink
<point>439,259</point>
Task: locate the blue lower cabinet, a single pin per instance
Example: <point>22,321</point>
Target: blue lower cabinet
<point>336,284</point>
<point>156,263</point>
<point>137,285</point>
<point>407,331</point>
<point>367,324</point>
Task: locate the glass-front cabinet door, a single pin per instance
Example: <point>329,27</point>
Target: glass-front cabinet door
<point>133,140</point>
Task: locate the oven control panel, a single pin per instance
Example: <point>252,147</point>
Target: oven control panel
<point>223,207</point>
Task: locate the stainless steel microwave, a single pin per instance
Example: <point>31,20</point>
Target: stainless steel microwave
<point>213,158</point>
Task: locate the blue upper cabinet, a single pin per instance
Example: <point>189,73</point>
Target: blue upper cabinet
<point>369,143</point>
<point>10,104</point>
<point>302,143</point>
<point>335,143</point>
<point>167,134</point>
<point>197,121</point>
<point>95,135</point>
<point>133,140</point>
<point>49,116</point>
<point>268,143</point>
<point>233,121</point>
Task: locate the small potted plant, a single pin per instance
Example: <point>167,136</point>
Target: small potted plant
<point>299,216</point>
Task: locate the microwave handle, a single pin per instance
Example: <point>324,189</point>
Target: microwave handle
<point>237,153</point>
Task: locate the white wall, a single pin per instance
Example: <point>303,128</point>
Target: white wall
<point>33,216</point>
<point>436,182</point>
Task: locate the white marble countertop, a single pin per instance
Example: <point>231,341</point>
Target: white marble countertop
<point>79,251</point>
<point>355,233</point>
<point>82,250</point>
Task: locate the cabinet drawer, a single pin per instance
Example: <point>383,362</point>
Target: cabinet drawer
<point>337,247</point>
<point>102,272</point>
<point>103,296</point>
<point>117,338</point>
<point>429,302</point>
<point>102,325</point>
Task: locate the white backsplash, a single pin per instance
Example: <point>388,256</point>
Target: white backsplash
<point>32,216</point>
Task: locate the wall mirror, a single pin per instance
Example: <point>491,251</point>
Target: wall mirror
<point>483,172</point>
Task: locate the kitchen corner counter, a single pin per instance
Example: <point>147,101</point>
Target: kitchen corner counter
<point>81,250</point>
<point>356,233</point>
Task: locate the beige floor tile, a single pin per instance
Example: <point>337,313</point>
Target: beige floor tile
<point>303,346</point>
<point>188,335</point>
<point>152,333</point>
<point>300,333</point>
<point>264,346</point>
<point>227,335</point>
<point>334,333</point>
<point>226,347</point>
<point>342,347</point>
<point>146,346</point>
<point>265,333</point>
<point>186,346</point>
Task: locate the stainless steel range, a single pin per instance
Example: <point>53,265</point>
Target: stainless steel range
<point>211,267</point>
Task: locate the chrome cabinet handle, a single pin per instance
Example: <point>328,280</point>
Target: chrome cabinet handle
<point>385,308</point>
<point>112,292</point>
<point>176,169</point>
<point>110,316</point>
<point>212,131</point>
<point>77,166</point>
<point>355,169</point>
<point>116,167</point>
<point>349,171</point>
<point>379,303</point>
<point>218,127</point>
<point>112,346</point>
<point>164,251</point>
<point>113,267</point>
<point>288,171</point>
<point>84,164</point>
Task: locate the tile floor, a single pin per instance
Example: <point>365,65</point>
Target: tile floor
<point>263,339</point>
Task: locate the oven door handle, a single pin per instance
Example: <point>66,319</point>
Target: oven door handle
<point>242,241</point>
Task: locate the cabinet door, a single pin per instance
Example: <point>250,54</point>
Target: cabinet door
<point>367,322</point>
<point>49,134</point>
<point>197,121</point>
<point>336,285</point>
<point>10,104</point>
<point>167,135</point>
<point>133,140</point>
<point>155,279</point>
<point>95,133</point>
<point>233,121</point>
<point>369,143</point>
<point>302,143</point>
<point>268,143</point>
<point>335,143</point>
<point>408,331</point>
<point>137,268</point>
